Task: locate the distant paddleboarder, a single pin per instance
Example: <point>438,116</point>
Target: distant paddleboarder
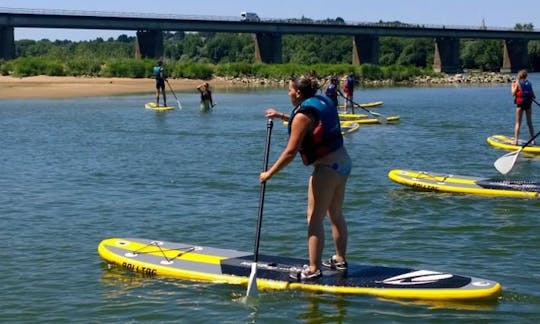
<point>159,75</point>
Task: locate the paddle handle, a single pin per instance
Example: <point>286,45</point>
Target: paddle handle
<point>269,125</point>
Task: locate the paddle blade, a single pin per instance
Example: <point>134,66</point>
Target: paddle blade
<point>252,284</point>
<point>380,118</point>
<point>506,162</point>
<point>179,104</point>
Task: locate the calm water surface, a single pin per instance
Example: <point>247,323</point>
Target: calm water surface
<point>77,171</point>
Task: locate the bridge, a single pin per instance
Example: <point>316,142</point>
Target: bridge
<point>268,32</point>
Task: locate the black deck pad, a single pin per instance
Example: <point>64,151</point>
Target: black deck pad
<point>279,268</point>
<point>503,184</point>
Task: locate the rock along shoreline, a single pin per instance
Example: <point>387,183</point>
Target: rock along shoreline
<point>445,79</point>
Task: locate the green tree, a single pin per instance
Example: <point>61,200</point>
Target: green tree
<point>484,54</point>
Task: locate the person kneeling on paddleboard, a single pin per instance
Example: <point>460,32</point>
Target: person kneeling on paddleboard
<point>315,133</point>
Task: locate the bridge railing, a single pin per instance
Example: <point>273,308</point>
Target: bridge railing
<point>327,21</point>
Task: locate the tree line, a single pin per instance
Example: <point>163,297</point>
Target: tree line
<point>203,54</point>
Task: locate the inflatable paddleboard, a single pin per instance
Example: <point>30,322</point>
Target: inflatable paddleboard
<point>373,104</point>
<point>348,127</point>
<point>462,184</point>
<point>152,105</point>
<point>350,116</point>
<point>193,262</point>
<point>371,120</point>
<point>506,143</point>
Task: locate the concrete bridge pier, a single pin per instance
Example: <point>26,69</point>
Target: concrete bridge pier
<point>515,55</point>
<point>268,48</point>
<point>365,49</point>
<point>446,57</point>
<point>149,44</point>
<point>7,43</point>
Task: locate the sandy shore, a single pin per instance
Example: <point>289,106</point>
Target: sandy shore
<point>68,87</point>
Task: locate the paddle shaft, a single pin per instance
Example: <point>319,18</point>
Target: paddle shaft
<point>528,142</point>
<point>377,115</point>
<point>269,126</point>
<point>172,91</point>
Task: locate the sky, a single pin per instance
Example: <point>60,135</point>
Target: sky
<point>495,13</point>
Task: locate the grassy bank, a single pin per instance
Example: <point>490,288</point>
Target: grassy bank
<point>134,68</point>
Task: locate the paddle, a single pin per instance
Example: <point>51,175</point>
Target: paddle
<point>380,118</point>
<point>252,284</point>
<point>177,101</point>
<point>506,162</point>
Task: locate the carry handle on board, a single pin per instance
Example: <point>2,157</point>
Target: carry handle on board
<point>252,284</point>
<point>506,162</point>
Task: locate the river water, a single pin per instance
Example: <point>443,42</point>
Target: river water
<point>76,171</point>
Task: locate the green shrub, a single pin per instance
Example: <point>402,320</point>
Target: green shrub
<point>5,67</point>
<point>235,69</point>
<point>137,68</point>
<point>192,70</point>
<point>83,67</point>
<point>125,68</point>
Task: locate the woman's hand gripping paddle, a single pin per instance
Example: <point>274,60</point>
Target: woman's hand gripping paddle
<point>177,101</point>
<point>252,284</point>
<point>506,162</point>
<point>380,118</point>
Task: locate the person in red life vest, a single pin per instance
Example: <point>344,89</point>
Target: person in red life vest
<point>348,88</point>
<point>523,97</point>
<point>315,133</point>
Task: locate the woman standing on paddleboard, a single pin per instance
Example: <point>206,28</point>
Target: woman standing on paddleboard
<point>315,133</point>
<point>523,97</point>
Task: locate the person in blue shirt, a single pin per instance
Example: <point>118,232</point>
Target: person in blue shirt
<point>523,98</point>
<point>332,90</point>
<point>159,75</point>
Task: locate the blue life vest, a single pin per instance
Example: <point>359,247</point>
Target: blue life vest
<point>157,72</point>
<point>524,93</point>
<point>326,136</point>
<point>331,91</point>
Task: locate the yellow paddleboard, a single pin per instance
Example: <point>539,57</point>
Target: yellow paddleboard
<point>152,105</point>
<point>194,262</point>
<point>371,120</point>
<point>348,127</point>
<point>373,104</point>
<point>507,143</point>
<point>429,181</point>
